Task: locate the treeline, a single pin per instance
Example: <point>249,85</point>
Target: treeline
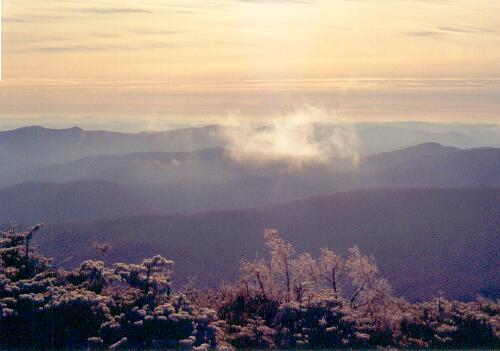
<point>283,300</point>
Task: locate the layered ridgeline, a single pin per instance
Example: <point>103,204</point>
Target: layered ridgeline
<point>100,187</point>
<point>426,241</point>
<point>27,149</point>
<point>33,147</point>
<point>283,300</point>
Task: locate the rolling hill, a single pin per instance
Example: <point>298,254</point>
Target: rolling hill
<point>424,240</point>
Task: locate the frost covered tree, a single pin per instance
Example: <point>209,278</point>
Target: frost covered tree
<point>281,256</point>
<point>368,286</point>
<point>286,276</point>
<point>257,275</point>
<point>331,267</point>
<point>290,276</point>
<point>305,277</point>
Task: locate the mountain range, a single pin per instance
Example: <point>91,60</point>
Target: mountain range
<point>30,148</point>
<point>101,187</point>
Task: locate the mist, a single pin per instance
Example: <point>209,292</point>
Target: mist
<point>305,136</point>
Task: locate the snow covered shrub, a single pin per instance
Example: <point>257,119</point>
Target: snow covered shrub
<point>152,276</point>
<point>16,255</point>
<point>241,307</point>
<point>289,300</point>
<point>40,308</point>
<point>441,323</point>
<point>169,325</point>
<point>62,316</point>
<point>254,334</point>
<point>322,323</point>
<point>91,275</point>
<point>127,305</point>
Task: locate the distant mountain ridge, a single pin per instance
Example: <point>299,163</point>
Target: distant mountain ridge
<point>216,164</point>
<point>187,182</point>
<point>37,146</point>
<point>33,147</point>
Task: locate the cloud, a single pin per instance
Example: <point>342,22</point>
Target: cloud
<point>61,49</point>
<point>75,13</point>
<point>307,135</point>
<point>65,48</point>
<point>112,11</point>
<point>39,18</point>
<point>424,33</point>
<point>447,30</point>
<point>469,30</point>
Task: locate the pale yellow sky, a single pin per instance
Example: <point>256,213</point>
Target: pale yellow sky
<point>194,61</point>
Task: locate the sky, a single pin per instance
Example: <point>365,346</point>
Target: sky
<point>176,62</point>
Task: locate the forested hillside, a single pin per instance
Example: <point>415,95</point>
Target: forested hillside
<point>425,240</point>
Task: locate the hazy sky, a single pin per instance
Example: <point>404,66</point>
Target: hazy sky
<point>194,61</point>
